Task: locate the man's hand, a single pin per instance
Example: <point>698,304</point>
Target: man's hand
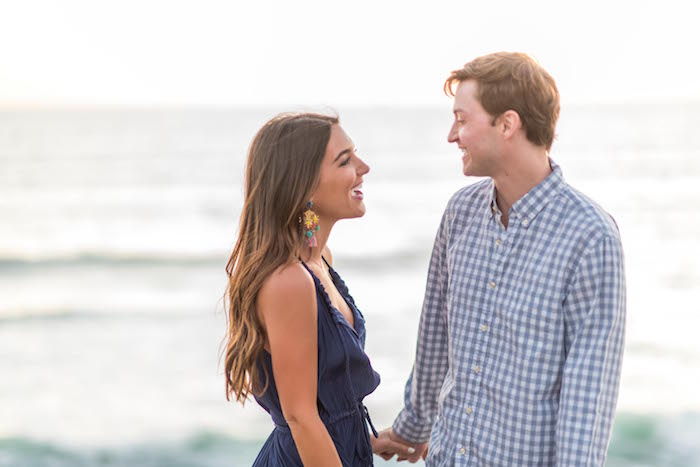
<point>389,444</point>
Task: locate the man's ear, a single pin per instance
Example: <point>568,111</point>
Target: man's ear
<point>510,123</point>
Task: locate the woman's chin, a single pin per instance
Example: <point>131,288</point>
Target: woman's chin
<point>356,209</point>
<point>359,211</point>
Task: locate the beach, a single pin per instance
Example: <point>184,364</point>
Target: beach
<point>116,226</point>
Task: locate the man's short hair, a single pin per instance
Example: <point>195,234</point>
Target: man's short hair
<point>514,81</point>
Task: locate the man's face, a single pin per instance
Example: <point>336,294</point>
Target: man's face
<point>474,132</point>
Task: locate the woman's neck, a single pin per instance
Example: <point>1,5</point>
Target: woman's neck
<point>314,255</point>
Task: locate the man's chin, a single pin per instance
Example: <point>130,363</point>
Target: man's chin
<point>471,171</point>
<point>467,168</point>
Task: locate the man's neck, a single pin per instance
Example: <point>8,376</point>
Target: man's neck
<point>513,182</point>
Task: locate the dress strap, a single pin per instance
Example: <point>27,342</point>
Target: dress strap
<point>324,260</point>
<point>330,268</point>
<point>307,268</point>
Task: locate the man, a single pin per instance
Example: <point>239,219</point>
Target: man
<point>521,335</point>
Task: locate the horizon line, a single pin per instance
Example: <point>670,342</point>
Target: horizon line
<point>28,105</point>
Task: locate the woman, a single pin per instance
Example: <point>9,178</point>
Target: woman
<point>295,337</point>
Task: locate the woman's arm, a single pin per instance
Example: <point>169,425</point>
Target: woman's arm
<point>287,306</point>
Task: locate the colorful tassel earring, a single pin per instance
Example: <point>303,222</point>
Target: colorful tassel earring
<point>310,226</point>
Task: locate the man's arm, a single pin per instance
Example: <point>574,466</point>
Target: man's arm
<point>594,313</point>
<point>415,421</point>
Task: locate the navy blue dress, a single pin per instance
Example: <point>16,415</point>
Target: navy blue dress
<point>345,377</point>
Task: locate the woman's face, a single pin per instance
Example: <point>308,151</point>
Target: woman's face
<point>339,194</point>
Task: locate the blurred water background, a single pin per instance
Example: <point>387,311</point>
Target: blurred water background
<point>115,227</point>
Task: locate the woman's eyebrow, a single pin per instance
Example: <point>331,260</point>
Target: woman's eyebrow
<point>341,153</point>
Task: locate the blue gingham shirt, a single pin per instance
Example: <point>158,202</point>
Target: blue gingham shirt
<point>521,334</point>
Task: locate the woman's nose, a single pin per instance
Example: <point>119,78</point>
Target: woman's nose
<point>363,168</point>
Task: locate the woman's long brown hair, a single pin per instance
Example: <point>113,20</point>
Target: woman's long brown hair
<point>284,163</point>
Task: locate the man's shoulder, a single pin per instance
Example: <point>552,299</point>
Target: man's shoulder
<point>471,195</point>
<point>588,216</point>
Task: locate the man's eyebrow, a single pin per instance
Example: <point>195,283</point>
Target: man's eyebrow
<point>343,152</point>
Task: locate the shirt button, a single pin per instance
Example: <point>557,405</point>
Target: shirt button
<point>492,285</point>
<point>498,242</point>
<point>469,410</point>
<point>484,327</point>
<point>477,369</point>
<point>462,451</point>
<point>526,222</point>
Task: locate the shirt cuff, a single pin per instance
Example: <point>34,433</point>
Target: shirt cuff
<point>410,428</point>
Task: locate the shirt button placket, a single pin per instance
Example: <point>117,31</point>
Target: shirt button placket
<point>495,272</point>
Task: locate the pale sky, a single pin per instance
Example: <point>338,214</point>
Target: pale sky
<point>365,53</point>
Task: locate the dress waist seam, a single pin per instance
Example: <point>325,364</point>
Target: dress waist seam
<point>330,419</point>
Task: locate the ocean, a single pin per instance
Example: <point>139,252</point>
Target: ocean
<point>116,225</point>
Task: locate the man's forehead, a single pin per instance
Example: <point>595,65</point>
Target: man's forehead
<point>464,94</point>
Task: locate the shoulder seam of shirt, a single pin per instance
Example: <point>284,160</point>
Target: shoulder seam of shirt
<point>469,190</point>
<point>590,209</point>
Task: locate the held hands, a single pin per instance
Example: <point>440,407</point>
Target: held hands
<point>389,444</point>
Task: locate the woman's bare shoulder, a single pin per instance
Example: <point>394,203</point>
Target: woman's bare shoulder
<point>288,289</point>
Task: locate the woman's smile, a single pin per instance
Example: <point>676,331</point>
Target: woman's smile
<point>356,193</point>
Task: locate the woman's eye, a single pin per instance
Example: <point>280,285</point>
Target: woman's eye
<point>345,162</point>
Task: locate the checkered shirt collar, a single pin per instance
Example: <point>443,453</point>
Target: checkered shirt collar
<point>535,200</point>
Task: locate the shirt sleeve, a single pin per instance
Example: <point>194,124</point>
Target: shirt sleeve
<point>594,313</point>
<point>414,423</point>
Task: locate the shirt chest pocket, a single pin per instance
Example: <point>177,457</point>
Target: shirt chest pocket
<point>532,331</point>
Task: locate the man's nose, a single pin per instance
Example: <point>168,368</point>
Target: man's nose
<point>452,135</point>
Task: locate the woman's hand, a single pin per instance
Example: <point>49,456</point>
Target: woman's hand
<point>389,444</point>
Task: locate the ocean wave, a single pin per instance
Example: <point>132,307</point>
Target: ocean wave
<point>111,259</point>
<point>643,440</point>
<point>15,316</point>
<point>638,440</point>
<point>371,260</point>
<point>204,449</point>
<point>63,315</point>
<point>382,261</point>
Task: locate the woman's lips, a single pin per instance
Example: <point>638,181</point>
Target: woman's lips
<point>356,193</point>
